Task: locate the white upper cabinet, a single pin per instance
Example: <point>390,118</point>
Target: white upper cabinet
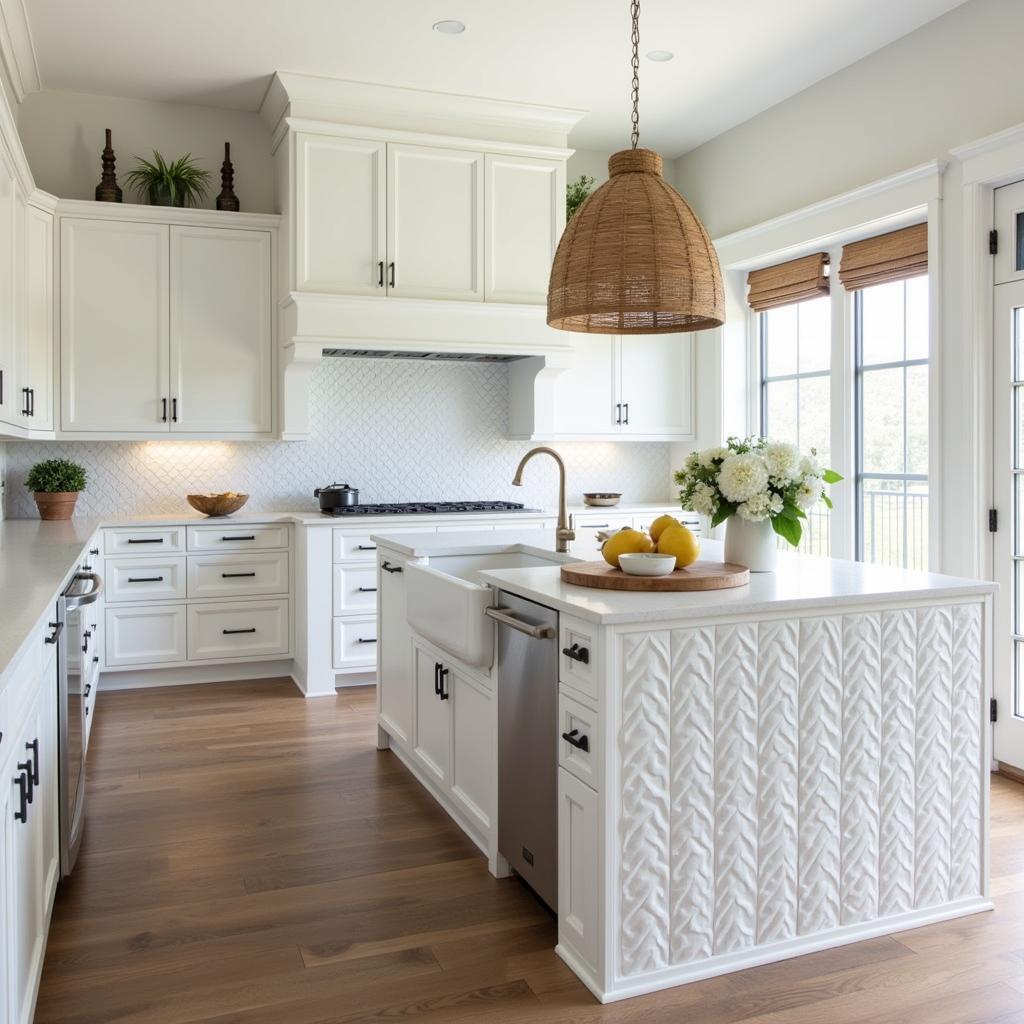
<point>585,393</point>
<point>220,335</point>
<point>656,385</point>
<point>38,366</point>
<point>435,223</point>
<point>115,326</point>
<point>9,405</point>
<point>340,234</point>
<point>524,219</point>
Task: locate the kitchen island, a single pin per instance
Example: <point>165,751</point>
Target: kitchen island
<point>785,767</point>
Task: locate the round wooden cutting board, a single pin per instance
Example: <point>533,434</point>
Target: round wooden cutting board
<point>699,576</point>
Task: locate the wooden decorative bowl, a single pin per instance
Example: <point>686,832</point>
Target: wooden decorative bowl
<point>217,504</point>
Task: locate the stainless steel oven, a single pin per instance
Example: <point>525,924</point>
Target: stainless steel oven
<point>75,674</point>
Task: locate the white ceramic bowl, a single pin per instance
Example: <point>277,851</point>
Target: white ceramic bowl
<point>647,563</point>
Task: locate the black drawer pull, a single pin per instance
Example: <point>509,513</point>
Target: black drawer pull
<point>437,679</point>
<point>366,640</point>
<point>388,567</point>
<point>574,739</point>
<point>366,547</point>
<point>577,653</point>
<point>88,690</point>
<point>145,579</point>
<point>34,748</point>
<point>94,551</point>
<point>442,692</point>
<point>57,627</point>
<point>25,767</point>
<point>248,536</point>
<point>145,540</point>
<point>230,632</point>
<point>235,575</point>
<point>22,813</point>
<point>367,590</point>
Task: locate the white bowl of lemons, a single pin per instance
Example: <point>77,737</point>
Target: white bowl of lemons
<point>647,563</point>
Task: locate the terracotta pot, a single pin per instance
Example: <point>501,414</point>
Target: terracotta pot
<point>60,505</point>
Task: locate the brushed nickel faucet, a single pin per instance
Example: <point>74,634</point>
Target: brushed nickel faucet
<point>563,532</point>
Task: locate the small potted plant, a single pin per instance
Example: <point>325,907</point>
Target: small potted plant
<point>576,193</point>
<point>55,485</point>
<point>179,183</point>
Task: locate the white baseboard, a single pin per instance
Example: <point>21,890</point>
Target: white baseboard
<point>139,679</point>
<point>669,977</point>
<point>343,682</point>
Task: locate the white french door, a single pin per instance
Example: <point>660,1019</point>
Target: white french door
<point>1008,474</point>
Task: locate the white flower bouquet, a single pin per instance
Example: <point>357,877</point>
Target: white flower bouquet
<point>756,480</point>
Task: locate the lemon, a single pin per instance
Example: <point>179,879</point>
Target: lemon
<point>661,524</point>
<point>626,541</point>
<point>681,542</point>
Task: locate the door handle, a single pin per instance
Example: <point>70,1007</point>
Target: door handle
<point>574,739</point>
<point>537,632</point>
<point>380,273</point>
<point>57,627</point>
<point>367,590</point>
<point>145,579</point>
<point>437,679</point>
<point>366,640</point>
<point>25,767</point>
<point>34,748</point>
<point>25,407</point>
<point>22,813</point>
<point>235,575</point>
<point>391,275</point>
<point>247,536</point>
<point>31,401</point>
<point>163,414</point>
<point>577,653</point>
<point>231,632</point>
<point>366,547</point>
<point>174,410</point>
<point>625,421</point>
<point>618,413</point>
<point>443,694</point>
<point>146,540</point>
<point>388,567</point>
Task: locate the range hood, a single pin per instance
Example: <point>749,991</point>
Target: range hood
<point>446,357</point>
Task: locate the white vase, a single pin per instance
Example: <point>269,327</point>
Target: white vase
<point>751,544</point>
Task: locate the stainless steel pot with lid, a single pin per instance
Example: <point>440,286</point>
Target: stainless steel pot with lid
<point>336,496</point>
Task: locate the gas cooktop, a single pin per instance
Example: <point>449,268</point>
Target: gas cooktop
<point>423,508</point>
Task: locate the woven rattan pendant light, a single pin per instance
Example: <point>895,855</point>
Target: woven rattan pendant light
<point>635,259</point>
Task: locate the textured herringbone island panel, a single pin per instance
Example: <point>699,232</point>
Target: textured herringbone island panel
<point>397,430</point>
<point>814,774</point>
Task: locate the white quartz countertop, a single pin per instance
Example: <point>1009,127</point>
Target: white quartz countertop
<point>800,583</point>
<point>36,561</point>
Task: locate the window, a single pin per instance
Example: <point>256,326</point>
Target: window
<point>795,391</point>
<point>891,352</point>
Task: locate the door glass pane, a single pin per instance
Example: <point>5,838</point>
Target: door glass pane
<point>815,414</point>
<point>883,326</point>
<point>813,329</point>
<point>884,502</point>
<point>917,317</point>
<point>781,423</point>
<point>883,421</point>
<point>780,327</point>
<point>917,419</point>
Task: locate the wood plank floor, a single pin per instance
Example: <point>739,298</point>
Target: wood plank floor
<point>250,857</point>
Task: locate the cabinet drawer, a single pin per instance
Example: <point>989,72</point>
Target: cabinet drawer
<point>146,540</point>
<point>240,537</point>
<point>354,587</point>
<point>145,579</point>
<point>578,849</point>
<point>238,575</point>
<point>577,665</point>
<point>237,631</point>
<point>596,521</point>
<point>355,642</point>
<point>581,723</point>
<point>145,635</point>
<point>357,546</point>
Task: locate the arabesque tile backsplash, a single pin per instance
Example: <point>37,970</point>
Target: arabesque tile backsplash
<point>398,431</point>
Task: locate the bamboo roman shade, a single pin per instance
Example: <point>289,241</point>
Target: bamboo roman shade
<point>891,257</point>
<point>784,283</point>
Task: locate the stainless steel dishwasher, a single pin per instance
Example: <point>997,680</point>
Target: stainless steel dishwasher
<point>528,741</point>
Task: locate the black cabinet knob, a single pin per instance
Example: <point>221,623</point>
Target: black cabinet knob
<point>388,567</point>
<point>574,739</point>
<point>577,653</point>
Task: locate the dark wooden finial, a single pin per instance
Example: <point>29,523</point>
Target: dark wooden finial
<point>108,190</point>
<point>227,200</point>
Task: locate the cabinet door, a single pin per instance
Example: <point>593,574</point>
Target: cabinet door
<point>578,850</point>
<point>9,405</point>
<point>27,882</point>
<point>47,800</point>
<point>114,326</point>
<point>432,741</point>
<point>525,216</point>
<point>8,798</point>
<point>221,357</point>
<point>435,223</point>
<point>395,655</point>
<point>656,385</point>
<point>474,743</point>
<point>145,635</point>
<point>39,316</point>
<point>340,218</point>
<point>585,391</point>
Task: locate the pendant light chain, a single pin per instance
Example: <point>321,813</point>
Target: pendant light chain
<point>635,12</point>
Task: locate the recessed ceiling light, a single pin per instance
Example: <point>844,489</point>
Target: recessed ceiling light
<point>660,56</point>
<point>449,28</point>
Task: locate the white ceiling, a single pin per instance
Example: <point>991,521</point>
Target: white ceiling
<point>734,58</point>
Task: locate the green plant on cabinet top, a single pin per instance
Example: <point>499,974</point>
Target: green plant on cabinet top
<point>179,183</point>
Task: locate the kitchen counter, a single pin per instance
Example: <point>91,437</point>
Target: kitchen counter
<point>36,562</point>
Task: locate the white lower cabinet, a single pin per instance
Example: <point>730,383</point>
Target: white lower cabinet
<point>352,639</point>
<point>238,575</point>
<point>355,587</point>
<point>145,579</point>
<point>244,630</point>
<point>145,635</point>
<point>432,738</point>
<point>473,748</point>
<point>394,650</point>
<point>578,852</point>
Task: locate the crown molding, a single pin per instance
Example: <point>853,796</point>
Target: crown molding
<point>17,51</point>
<point>368,104</point>
<point>183,216</point>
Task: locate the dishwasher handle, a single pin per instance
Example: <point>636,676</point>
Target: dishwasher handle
<point>537,632</point>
